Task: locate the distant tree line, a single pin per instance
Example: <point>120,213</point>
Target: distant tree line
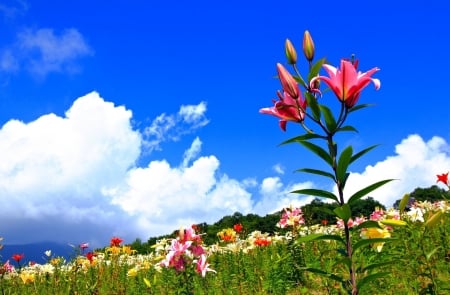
<point>316,212</point>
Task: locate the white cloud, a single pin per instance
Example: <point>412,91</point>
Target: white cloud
<point>171,127</point>
<point>13,9</point>
<point>54,168</point>
<point>41,52</point>
<point>73,178</point>
<point>415,164</point>
<point>278,168</point>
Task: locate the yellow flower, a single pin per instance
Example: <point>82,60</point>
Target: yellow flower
<point>27,277</point>
<point>375,233</point>
<point>132,272</point>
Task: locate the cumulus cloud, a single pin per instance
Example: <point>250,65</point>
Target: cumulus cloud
<point>75,178</point>
<point>13,9</point>
<point>171,127</point>
<point>54,168</point>
<point>42,51</point>
<point>415,164</point>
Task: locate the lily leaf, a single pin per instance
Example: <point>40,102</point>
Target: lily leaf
<point>361,193</point>
<point>343,212</point>
<point>323,273</point>
<point>375,265</point>
<point>343,162</point>
<point>429,254</point>
<point>330,121</point>
<point>316,68</point>
<point>313,105</point>
<point>371,278</point>
<point>300,138</point>
<point>316,192</point>
<point>361,153</point>
<point>300,80</point>
<point>347,128</point>
<point>318,151</point>
<point>317,172</point>
<point>358,107</point>
<point>368,224</point>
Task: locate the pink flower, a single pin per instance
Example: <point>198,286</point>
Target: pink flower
<point>346,82</point>
<point>291,106</point>
<point>203,266</point>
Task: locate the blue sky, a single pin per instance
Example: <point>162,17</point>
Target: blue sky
<point>135,118</point>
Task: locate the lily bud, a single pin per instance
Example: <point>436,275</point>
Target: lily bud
<point>288,82</point>
<point>291,54</point>
<point>308,46</point>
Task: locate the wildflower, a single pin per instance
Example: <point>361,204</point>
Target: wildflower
<point>346,82</point>
<point>291,106</point>
<point>18,257</point>
<point>90,256</point>
<point>291,217</point>
<point>238,227</point>
<point>203,265</point>
<point>373,232</point>
<point>442,178</point>
<point>115,242</point>
<point>227,235</point>
<point>84,246</point>
<point>27,277</point>
<point>262,241</point>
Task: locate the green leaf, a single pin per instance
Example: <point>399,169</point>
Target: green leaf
<point>316,192</point>
<point>376,265</point>
<point>318,151</point>
<point>368,224</point>
<point>359,194</point>
<point>314,71</point>
<point>300,80</point>
<point>371,278</point>
<point>343,162</point>
<point>323,273</point>
<point>358,107</point>
<point>361,153</point>
<point>393,222</point>
<point>313,105</point>
<point>303,137</point>
<point>429,254</point>
<point>323,237</point>
<point>330,121</point>
<point>347,128</point>
<point>366,242</point>
<point>317,172</point>
<point>343,212</point>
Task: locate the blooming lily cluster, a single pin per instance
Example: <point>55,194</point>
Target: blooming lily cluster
<point>185,250</point>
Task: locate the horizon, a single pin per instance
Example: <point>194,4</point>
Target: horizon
<point>137,118</point>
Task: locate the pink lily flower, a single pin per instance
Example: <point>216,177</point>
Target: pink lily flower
<point>291,106</point>
<point>346,82</point>
<point>203,266</point>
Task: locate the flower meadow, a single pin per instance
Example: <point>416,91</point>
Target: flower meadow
<point>402,250</point>
<point>413,257</point>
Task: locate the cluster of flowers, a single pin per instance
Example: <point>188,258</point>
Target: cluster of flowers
<point>185,250</point>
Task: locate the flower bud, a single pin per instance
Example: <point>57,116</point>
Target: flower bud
<point>308,46</point>
<point>291,54</point>
<point>288,82</point>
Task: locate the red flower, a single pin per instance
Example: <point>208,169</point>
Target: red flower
<point>443,178</point>
<point>346,82</point>
<point>324,222</point>
<point>262,242</point>
<point>90,256</point>
<point>115,242</point>
<point>18,257</point>
<point>238,227</point>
